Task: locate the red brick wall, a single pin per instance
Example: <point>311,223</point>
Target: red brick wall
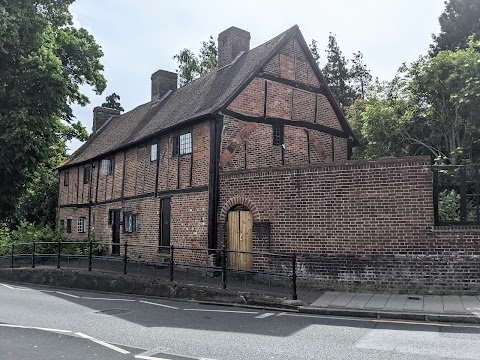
<point>359,222</point>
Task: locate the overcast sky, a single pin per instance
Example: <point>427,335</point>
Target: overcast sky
<point>139,37</point>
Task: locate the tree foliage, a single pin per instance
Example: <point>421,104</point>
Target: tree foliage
<point>113,102</point>
<point>431,107</point>
<point>459,21</point>
<point>191,66</point>
<point>43,62</point>
<point>337,74</point>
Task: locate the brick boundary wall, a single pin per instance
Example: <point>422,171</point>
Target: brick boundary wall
<point>357,224</point>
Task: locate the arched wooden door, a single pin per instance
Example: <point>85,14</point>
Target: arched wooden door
<point>239,238</point>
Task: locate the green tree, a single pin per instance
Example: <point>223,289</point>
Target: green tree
<point>337,74</point>
<point>360,75</point>
<point>113,102</point>
<point>430,107</point>
<point>191,66</point>
<point>459,21</point>
<point>43,61</point>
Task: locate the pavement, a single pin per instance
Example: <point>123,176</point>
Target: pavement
<point>447,308</point>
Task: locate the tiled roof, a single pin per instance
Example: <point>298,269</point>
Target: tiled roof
<point>201,97</point>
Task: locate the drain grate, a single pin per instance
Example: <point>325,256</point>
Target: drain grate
<point>113,311</point>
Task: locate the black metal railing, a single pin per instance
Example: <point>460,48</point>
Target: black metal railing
<point>456,194</point>
<point>164,261</point>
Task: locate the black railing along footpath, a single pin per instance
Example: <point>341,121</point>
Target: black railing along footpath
<point>456,194</point>
<point>20,252</point>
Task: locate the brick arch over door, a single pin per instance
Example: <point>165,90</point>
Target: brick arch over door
<point>239,200</point>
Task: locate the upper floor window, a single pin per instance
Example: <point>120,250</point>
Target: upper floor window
<point>131,222</point>
<point>86,174</point>
<point>66,178</point>
<point>153,152</point>
<point>277,134</point>
<point>81,225</point>
<point>108,166</point>
<point>182,144</point>
<point>69,226</point>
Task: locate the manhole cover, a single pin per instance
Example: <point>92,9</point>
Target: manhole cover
<point>113,311</point>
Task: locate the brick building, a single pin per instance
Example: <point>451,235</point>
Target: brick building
<point>254,155</point>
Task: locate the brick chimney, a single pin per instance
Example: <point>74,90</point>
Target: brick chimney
<point>101,115</point>
<point>230,43</point>
<point>162,82</point>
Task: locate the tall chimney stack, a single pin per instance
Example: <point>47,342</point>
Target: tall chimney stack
<point>230,43</point>
<point>162,82</point>
<point>101,115</point>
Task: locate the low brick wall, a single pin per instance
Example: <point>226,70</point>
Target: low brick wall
<point>357,223</point>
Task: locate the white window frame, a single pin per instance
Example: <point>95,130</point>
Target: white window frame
<point>107,166</point>
<point>81,224</point>
<point>185,144</point>
<point>153,152</point>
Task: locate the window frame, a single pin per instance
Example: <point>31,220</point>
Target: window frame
<point>69,226</point>
<point>108,166</point>
<point>182,144</point>
<point>66,178</point>
<point>153,154</point>
<point>278,139</point>
<point>134,226</point>
<point>81,224</point>
<point>87,172</point>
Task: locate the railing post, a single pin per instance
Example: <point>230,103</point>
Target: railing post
<point>90,249</point>
<point>171,262</point>
<point>125,257</point>
<point>59,254</point>
<point>33,254</point>
<point>294,276</point>
<point>13,256</point>
<point>224,267</point>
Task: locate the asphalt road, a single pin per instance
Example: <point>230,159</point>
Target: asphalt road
<point>46,323</point>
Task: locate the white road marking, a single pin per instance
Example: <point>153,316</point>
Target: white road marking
<point>34,328</point>
<point>224,311</point>
<point>8,286</point>
<point>263,316</point>
<point>103,343</point>
<point>148,357</point>
<point>157,304</point>
<point>112,299</point>
<point>62,293</point>
<point>47,291</point>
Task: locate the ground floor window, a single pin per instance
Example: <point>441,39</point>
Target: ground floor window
<point>130,222</point>
<point>81,225</point>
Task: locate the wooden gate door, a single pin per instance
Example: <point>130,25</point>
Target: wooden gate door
<point>239,237</point>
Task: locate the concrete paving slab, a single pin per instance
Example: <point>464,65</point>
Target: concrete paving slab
<point>453,304</point>
<point>359,301</point>
<point>414,303</point>
<point>342,300</point>
<point>471,304</point>
<point>433,304</point>
<point>326,299</point>
<point>378,301</point>
<point>396,302</point>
